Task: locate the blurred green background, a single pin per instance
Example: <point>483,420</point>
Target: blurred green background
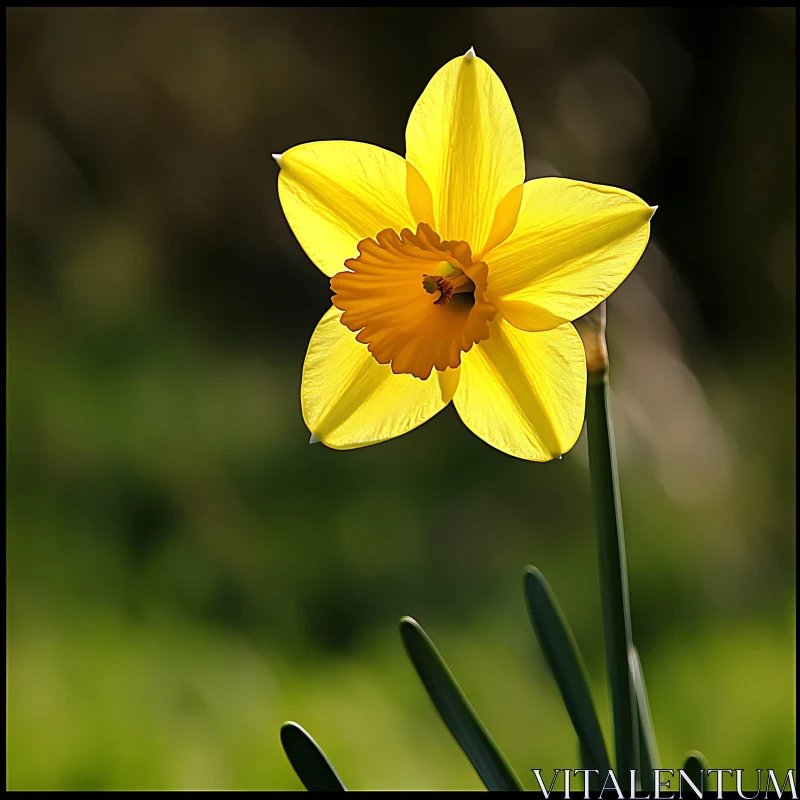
<point>185,572</point>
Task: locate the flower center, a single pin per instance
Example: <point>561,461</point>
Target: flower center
<point>416,301</point>
<point>447,287</point>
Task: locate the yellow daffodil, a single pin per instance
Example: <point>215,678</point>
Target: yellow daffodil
<point>453,278</point>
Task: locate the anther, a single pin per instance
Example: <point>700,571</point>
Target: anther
<point>430,283</point>
<point>436,283</point>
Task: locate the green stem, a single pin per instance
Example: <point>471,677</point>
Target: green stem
<point>613,573</point>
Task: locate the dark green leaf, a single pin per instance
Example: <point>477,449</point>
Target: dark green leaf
<point>696,768</point>
<point>455,710</point>
<point>559,647</point>
<point>595,784</point>
<point>648,751</point>
<point>309,762</point>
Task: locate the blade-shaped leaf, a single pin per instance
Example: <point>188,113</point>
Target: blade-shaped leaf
<point>455,710</point>
<point>648,751</point>
<point>562,654</point>
<point>613,572</point>
<point>595,784</point>
<point>309,762</point>
<point>696,768</point>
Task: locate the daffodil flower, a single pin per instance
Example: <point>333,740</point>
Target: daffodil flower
<point>453,278</point>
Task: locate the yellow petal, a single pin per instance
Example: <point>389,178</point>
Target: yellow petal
<point>464,139</point>
<point>573,244</point>
<point>335,194</point>
<point>505,218</point>
<point>419,197</point>
<point>350,400</point>
<point>524,393</point>
<point>448,383</point>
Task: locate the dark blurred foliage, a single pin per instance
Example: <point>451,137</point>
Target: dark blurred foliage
<point>161,494</point>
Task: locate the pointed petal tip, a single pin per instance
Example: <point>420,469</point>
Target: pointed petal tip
<point>313,439</point>
<point>653,210</point>
<point>278,158</point>
<point>470,54</point>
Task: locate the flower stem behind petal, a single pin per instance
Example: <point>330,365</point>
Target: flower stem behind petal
<point>592,328</point>
<point>613,571</point>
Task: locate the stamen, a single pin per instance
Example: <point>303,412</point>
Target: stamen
<point>457,284</point>
<point>430,283</point>
<point>461,283</point>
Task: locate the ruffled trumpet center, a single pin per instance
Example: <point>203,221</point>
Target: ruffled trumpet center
<point>417,302</point>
